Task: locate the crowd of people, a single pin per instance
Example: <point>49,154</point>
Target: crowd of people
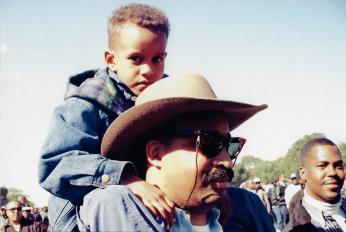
<point>18,216</point>
<point>131,149</point>
<point>282,197</point>
<point>276,195</point>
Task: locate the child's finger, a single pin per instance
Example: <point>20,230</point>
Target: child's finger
<point>157,209</point>
<point>163,213</point>
<point>169,207</point>
<point>169,202</point>
<point>152,210</point>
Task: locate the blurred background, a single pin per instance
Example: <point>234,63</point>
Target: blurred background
<point>289,54</point>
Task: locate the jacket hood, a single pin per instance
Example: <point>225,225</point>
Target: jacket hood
<point>103,87</point>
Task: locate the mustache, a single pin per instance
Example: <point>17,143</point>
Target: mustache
<point>335,179</point>
<point>220,174</point>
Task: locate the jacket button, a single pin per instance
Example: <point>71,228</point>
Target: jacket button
<point>105,178</point>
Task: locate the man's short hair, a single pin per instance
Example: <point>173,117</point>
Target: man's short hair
<point>307,147</point>
<point>143,15</point>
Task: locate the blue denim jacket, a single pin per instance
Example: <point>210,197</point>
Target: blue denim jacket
<point>70,164</point>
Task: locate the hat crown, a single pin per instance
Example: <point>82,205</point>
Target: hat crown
<point>190,86</point>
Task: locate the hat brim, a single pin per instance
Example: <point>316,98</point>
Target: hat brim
<point>138,120</point>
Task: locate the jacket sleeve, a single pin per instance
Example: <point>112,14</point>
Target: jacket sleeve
<point>70,163</point>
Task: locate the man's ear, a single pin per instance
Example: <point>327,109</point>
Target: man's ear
<point>302,173</point>
<point>110,60</point>
<point>154,153</point>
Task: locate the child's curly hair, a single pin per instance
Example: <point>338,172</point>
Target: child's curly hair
<point>143,15</point>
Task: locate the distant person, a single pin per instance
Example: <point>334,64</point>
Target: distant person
<point>242,185</point>
<point>183,146</point>
<point>320,207</point>
<point>36,215</point>
<point>292,188</point>
<point>3,212</point>
<point>266,186</point>
<point>16,222</point>
<point>27,215</point>
<point>3,218</point>
<point>297,196</point>
<point>249,186</point>
<point>272,199</point>
<point>71,165</point>
<point>45,220</point>
<point>23,201</point>
<point>279,206</point>
<point>261,193</point>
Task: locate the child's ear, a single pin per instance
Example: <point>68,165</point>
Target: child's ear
<point>154,153</point>
<point>109,59</point>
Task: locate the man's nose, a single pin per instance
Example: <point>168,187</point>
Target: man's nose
<point>224,159</point>
<point>331,170</point>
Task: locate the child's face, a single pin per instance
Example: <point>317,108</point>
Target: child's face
<point>137,56</point>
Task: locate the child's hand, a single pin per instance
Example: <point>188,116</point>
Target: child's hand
<point>153,198</point>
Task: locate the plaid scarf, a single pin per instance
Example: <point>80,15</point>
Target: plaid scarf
<point>102,87</point>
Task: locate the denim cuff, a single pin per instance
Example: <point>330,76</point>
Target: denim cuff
<point>110,172</point>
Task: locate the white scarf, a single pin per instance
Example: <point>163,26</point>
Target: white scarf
<point>325,214</point>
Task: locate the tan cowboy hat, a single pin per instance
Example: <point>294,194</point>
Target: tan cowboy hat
<point>162,101</point>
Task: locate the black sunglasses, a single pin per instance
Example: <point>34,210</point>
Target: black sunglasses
<point>211,143</point>
<point>14,209</point>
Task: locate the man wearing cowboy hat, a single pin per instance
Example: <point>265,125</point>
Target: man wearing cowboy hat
<point>177,136</point>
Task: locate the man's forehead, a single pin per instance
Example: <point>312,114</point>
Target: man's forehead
<point>320,153</point>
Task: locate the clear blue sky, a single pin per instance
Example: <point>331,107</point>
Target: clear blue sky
<point>289,54</point>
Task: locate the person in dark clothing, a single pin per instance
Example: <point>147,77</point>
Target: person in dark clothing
<point>276,196</point>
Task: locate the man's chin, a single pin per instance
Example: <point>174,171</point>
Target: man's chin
<point>220,186</point>
<point>333,197</point>
<point>213,198</point>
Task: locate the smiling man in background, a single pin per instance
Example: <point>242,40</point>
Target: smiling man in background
<point>321,208</point>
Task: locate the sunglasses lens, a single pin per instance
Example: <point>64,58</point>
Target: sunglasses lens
<point>233,149</point>
<point>235,146</point>
<point>211,144</point>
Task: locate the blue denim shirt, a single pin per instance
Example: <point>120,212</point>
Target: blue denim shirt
<point>116,208</point>
<point>182,221</point>
<point>70,164</point>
